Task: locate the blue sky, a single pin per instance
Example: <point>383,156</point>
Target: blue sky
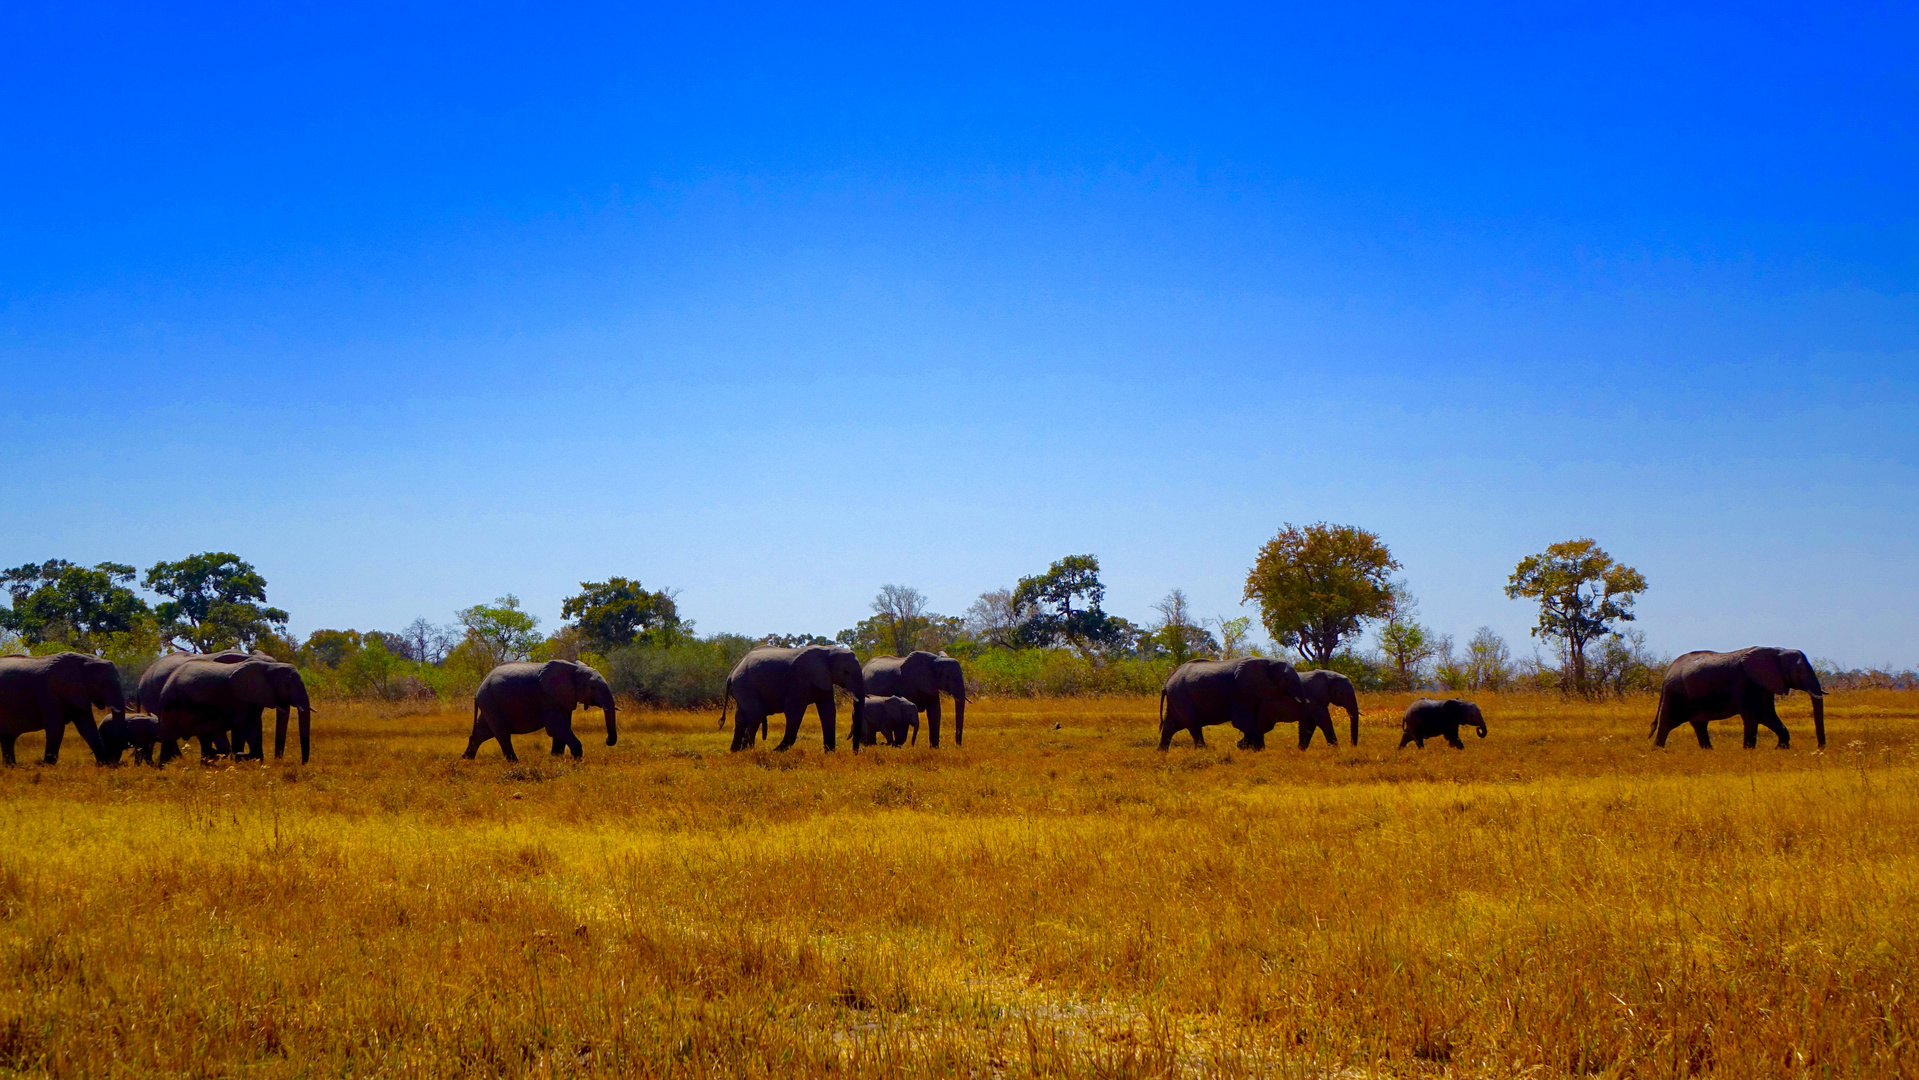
<point>416,308</point>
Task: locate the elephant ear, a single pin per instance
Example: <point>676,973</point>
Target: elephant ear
<point>1253,677</point>
<point>917,668</point>
<point>1762,666</point>
<point>556,680</point>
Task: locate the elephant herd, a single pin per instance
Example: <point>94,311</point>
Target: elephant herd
<point>221,699</point>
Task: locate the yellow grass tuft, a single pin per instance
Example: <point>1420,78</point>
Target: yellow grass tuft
<point>1557,900</point>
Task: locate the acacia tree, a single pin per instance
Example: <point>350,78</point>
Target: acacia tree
<point>1581,592</point>
<point>216,600</point>
<point>1316,585</point>
<point>1043,604</point>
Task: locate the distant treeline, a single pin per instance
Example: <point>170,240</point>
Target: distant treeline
<point>1319,588</point>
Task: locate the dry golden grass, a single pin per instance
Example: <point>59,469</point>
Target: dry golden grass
<point>1558,899</point>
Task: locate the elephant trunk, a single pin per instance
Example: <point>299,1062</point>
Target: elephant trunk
<point>605,694</point>
<point>1819,719</point>
<point>959,719</point>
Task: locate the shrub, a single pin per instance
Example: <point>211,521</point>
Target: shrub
<point>684,675</point>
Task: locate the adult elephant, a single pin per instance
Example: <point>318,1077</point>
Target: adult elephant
<point>212,698</point>
<point>1320,691</point>
<point>521,698</point>
<point>1245,693</point>
<point>46,693</point>
<point>774,680</point>
<point>1704,686</point>
<point>154,679</point>
<point>921,677</point>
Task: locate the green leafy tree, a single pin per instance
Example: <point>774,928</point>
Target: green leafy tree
<point>1236,638</point>
<point>1406,644</point>
<point>1316,586</point>
<point>1043,606</point>
<point>1179,635</point>
<point>619,611</point>
<point>216,600</point>
<point>795,641</point>
<point>77,605</point>
<point>500,633</point>
<point>330,649</point>
<point>1582,592</point>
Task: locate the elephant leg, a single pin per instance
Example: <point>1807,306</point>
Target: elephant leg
<point>88,730</point>
<point>481,733</point>
<point>793,714</point>
<point>506,744</point>
<point>746,721</point>
<point>1765,715</point>
<point>169,749</point>
<point>1404,739</point>
<point>933,721</point>
<point>55,732</point>
<point>829,720</point>
<point>6,747</point>
<point>1326,725</point>
<point>1750,724</point>
<point>559,747</point>
<point>1452,740</point>
<point>1705,737</point>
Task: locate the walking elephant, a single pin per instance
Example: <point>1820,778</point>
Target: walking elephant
<point>890,718</point>
<point>154,679</point>
<point>213,698</point>
<point>1246,693</point>
<point>1320,690</point>
<point>1429,719</point>
<point>921,677</point>
<point>136,731</point>
<point>774,680</point>
<point>521,698</point>
<point>46,693</point>
<point>1704,686</point>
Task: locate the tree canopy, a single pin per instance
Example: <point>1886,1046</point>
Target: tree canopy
<point>1043,605</point>
<point>1581,592</point>
<point>619,611</point>
<point>501,632</point>
<point>64,602</point>
<point>1316,585</point>
<point>216,600</point>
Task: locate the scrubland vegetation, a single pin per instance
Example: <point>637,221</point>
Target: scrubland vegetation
<point>1054,898</point>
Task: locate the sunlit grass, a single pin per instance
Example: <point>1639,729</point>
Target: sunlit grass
<point>1056,897</point>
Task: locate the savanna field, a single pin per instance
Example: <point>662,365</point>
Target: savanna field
<point>1055,898</point>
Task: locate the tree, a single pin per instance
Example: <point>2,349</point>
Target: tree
<point>619,611</point>
<point>216,601</point>
<point>795,641</point>
<point>1406,643</point>
<point>330,648</point>
<point>899,612</point>
<point>1581,592</point>
<point>501,633</point>
<point>60,601</point>
<point>1043,605</point>
<point>991,620</point>
<point>1236,638</point>
<point>1178,633</point>
<point>1316,585</point>
<point>1488,661</point>
<point>427,643</point>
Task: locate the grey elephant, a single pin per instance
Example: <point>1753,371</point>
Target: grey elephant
<point>1429,719</point>
<point>1246,693</point>
<point>775,680</point>
<point>890,718</point>
<point>521,698</point>
<point>921,677</point>
<point>1703,686</point>
<point>154,679</point>
<point>1320,690</point>
<point>137,731</point>
<point>212,698</point>
<point>46,693</point>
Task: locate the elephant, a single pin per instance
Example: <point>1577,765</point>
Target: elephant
<point>211,698</point>
<point>46,693</point>
<point>1429,719</point>
<point>1312,710</point>
<point>154,679</point>
<point>891,718</point>
<point>771,679</point>
<point>1246,693</point>
<point>138,731</point>
<point>921,677</point>
<point>520,698</point>
<point>1703,686</point>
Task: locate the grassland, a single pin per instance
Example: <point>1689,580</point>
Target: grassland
<point>1056,898</point>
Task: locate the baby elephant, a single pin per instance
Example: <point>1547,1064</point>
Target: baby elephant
<point>1428,719</point>
<point>891,717</point>
<point>138,731</point>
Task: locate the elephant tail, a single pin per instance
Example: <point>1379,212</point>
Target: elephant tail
<point>725,696</point>
<point>1659,714</point>
<point>1162,708</point>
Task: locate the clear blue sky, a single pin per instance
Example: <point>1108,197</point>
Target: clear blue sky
<point>416,309</point>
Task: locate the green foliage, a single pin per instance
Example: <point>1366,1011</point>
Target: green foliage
<point>498,634</point>
<point>619,611</point>
<point>1043,606</point>
<point>900,624</point>
<point>329,648</point>
<point>1581,592</point>
<point>795,641</point>
<point>689,673</point>
<point>1178,635</point>
<point>76,605</point>
<point>1063,671</point>
<point>216,601</point>
<point>1405,644</point>
<point>1316,585</point>
<point>1365,674</point>
<point>1236,638</point>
